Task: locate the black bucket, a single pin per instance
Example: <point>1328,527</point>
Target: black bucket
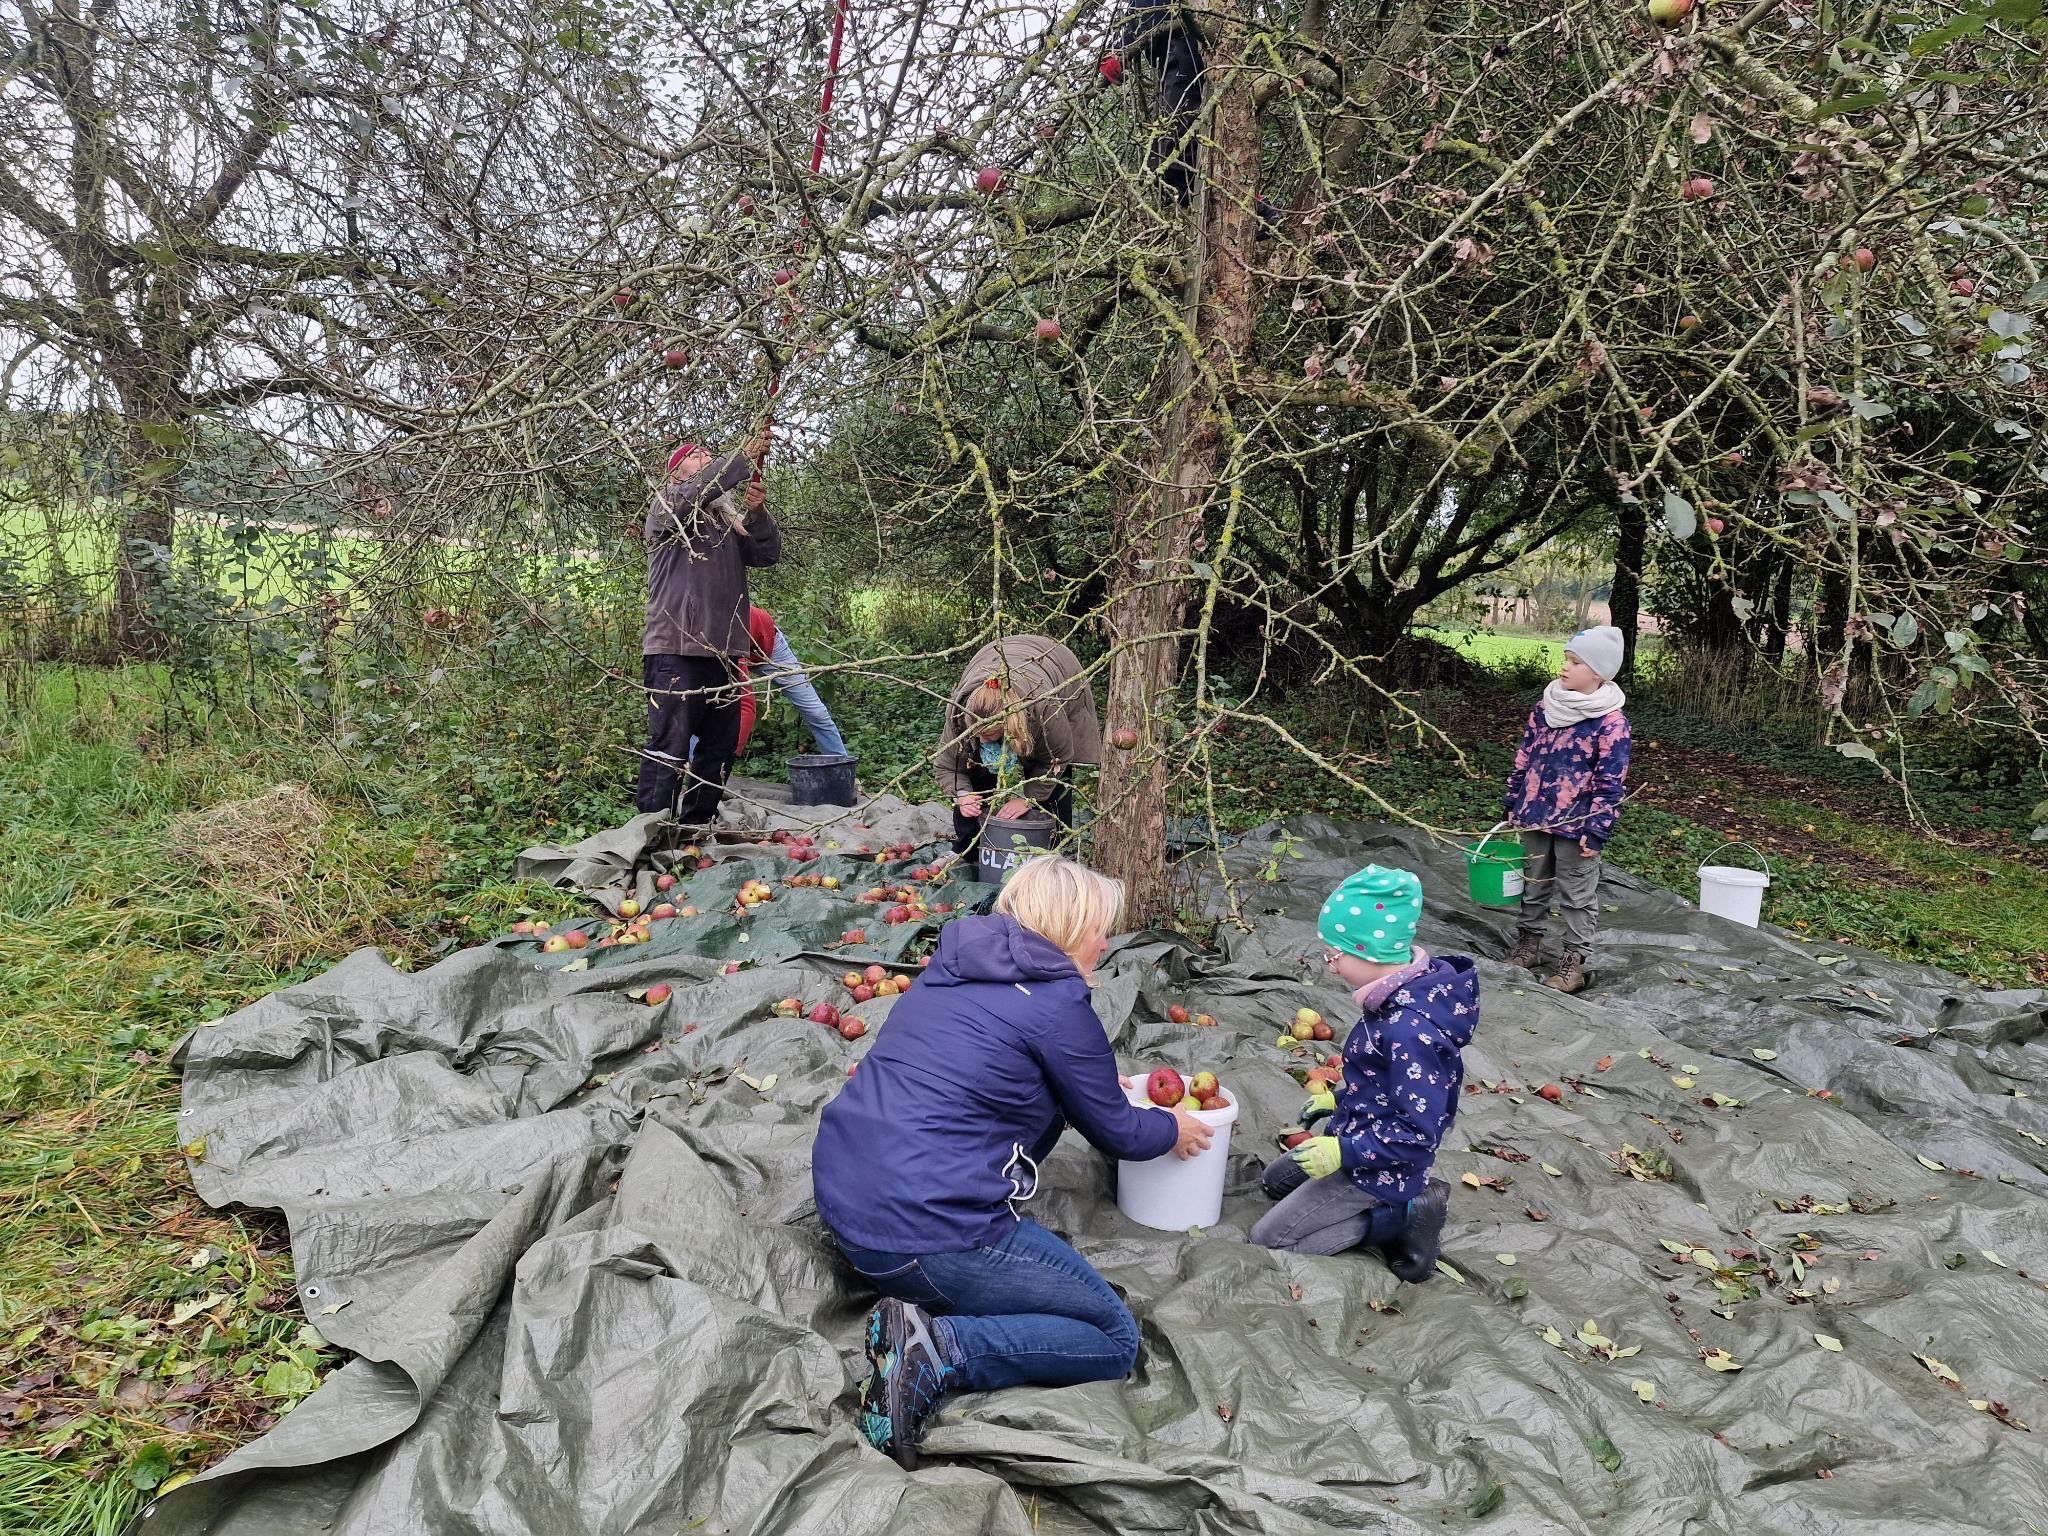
<point>821,778</point>
<point>1006,845</point>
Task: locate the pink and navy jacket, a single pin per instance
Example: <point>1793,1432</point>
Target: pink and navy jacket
<point>1570,780</point>
<point>1403,1069</point>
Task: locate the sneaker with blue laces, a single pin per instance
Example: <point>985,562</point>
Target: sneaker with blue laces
<point>908,1377</point>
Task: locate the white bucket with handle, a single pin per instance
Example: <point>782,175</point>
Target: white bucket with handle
<point>1732,891</point>
<point>1174,1193</point>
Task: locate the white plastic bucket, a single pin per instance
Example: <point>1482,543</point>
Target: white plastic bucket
<point>1173,1193</point>
<point>1730,891</point>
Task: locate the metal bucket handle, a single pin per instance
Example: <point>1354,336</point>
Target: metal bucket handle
<point>1752,847</point>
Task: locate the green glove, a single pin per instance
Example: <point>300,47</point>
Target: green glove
<point>1319,1156</point>
<point>1321,1102</point>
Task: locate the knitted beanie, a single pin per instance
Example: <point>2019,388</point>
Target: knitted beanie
<point>1373,914</point>
<point>1599,648</point>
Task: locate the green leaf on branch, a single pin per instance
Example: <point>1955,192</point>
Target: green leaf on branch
<point>1679,516</point>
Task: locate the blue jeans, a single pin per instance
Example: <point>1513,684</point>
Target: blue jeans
<point>1023,1310</point>
<point>786,672</point>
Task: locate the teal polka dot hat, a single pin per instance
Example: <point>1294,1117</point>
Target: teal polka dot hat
<point>1373,914</point>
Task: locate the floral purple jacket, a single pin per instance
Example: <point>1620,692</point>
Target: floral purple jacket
<point>1402,1075</point>
<point>1570,779</point>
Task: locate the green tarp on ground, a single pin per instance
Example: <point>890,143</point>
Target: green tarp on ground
<point>567,1239</point>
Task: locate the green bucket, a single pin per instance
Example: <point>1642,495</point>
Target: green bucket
<point>1495,877</point>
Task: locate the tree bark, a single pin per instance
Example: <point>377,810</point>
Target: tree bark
<point>1625,597</point>
<point>1158,529</point>
<point>152,456</point>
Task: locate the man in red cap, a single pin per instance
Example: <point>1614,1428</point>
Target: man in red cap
<point>699,546</point>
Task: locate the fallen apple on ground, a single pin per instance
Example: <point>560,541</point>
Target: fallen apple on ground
<point>788,1008</point>
<point>852,1029</point>
<point>1552,1092</point>
<point>629,908</point>
<point>854,936</point>
<point>556,944</point>
<point>664,881</point>
<point>823,1013</point>
<point>576,938</point>
<point>663,911</point>
<point>658,993</point>
<point>1178,1013</point>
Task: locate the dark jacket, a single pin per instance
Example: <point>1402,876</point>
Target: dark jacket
<point>1057,698</point>
<point>933,1144</point>
<point>697,565</point>
<point>1570,780</point>
<point>1403,1072</point>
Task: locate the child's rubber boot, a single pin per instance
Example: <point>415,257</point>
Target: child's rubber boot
<point>1571,973</point>
<point>1412,1256</point>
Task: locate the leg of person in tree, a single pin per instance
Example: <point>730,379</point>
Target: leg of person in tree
<point>787,673</point>
<point>967,829</point>
<point>670,715</point>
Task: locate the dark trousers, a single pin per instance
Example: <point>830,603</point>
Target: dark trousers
<point>967,830</point>
<point>688,697</point>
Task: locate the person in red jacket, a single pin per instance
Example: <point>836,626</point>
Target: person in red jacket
<point>770,655</point>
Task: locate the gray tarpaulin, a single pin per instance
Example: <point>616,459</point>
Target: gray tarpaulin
<point>566,1239</point>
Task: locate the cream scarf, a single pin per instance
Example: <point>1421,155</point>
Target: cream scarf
<point>1563,707</point>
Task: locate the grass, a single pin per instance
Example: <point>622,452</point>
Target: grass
<point>143,1336</point>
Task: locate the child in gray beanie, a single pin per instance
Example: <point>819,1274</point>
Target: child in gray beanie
<point>1565,795</point>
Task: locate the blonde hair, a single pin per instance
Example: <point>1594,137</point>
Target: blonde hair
<point>991,707</point>
<point>1064,901</point>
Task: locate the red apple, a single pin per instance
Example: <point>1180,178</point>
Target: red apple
<point>1552,1092</point>
<point>1963,286</point>
<point>1696,188</point>
<point>1165,1088</point>
<point>782,277</point>
<point>1688,322</point>
<point>524,925</point>
<point>658,993</point>
<point>1111,69</point>
<point>744,203</point>
<point>823,1013</point>
<point>1047,330</point>
<point>854,936</point>
<point>989,179</point>
<point>852,1029</point>
<point>789,1008</point>
<point>664,881</point>
<point>1669,13</point>
<point>1293,1139</point>
<point>576,938</point>
<point>1178,1013</point>
<point>874,973</point>
<point>1863,258</point>
<point>863,993</point>
<point>623,298</point>
<point>1320,1031</point>
<point>1715,526</point>
<point>663,911</point>
<point>1211,1102</point>
<point>675,357</point>
<point>1123,738</point>
<point>1202,1085</point>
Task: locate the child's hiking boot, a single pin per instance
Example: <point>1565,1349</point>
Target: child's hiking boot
<point>1528,951</point>
<point>907,1380</point>
<point>1412,1256</point>
<point>1571,973</point>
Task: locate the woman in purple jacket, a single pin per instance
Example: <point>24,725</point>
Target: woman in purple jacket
<point>924,1158</point>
